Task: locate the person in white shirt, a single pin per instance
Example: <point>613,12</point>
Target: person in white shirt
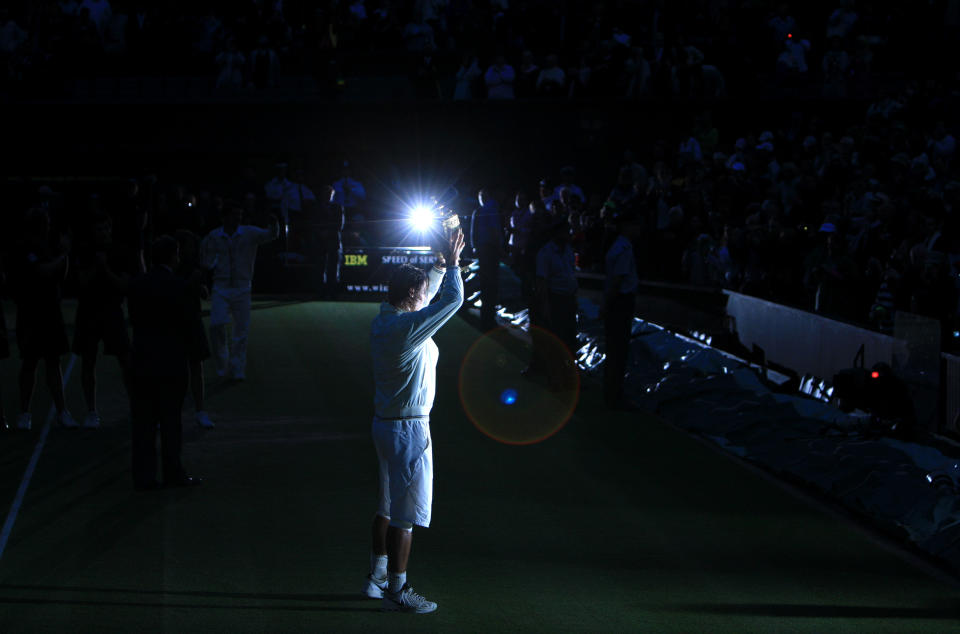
<point>620,290</point>
<point>499,79</point>
<point>280,193</point>
<point>552,79</point>
<point>405,373</point>
<point>230,252</point>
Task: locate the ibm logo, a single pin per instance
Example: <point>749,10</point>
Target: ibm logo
<point>351,259</point>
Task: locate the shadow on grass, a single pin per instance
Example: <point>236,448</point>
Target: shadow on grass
<point>820,611</point>
<point>373,606</point>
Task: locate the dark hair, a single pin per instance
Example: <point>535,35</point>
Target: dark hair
<point>403,279</point>
<point>102,218</point>
<point>163,249</point>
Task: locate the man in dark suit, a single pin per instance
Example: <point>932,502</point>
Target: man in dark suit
<point>160,311</point>
<point>486,239</point>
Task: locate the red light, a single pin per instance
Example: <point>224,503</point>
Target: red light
<point>789,36</point>
<point>874,375</point>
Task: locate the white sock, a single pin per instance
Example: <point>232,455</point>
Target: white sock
<point>378,566</point>
<point>396,581</point>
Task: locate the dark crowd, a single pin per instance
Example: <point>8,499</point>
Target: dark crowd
<point>853,223</point>
<point>472,49</point>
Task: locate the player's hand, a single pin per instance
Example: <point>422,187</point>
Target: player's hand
<point>456,248</point>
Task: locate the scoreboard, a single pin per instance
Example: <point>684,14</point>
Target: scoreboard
<point>368,269</point>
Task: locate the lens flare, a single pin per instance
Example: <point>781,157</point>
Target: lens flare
<point>421,218</point>
<point>511,409</point>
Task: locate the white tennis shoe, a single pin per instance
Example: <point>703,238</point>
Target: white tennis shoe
<point>407,601</point>
<point>374,588</point>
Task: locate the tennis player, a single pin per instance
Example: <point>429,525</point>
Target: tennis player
<point>405,372</point>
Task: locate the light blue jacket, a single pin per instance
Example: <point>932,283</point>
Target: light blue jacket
<point>404,354</point>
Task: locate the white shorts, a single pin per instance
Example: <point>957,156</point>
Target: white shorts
<point>405,452</point>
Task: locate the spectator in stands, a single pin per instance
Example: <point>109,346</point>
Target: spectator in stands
<point>41,334</point>
<point>104,269</point>
<point>782,24</point>
<point>280,193</point>
<point>836,64</point>
<point>619,302</point>
<point>567,176</point>
<point>418,34</point>
<point>468,74</point>
<point>358,10</point>
<point>264,65</point>
<point>230,253</point>
<point>230,63</point>
<point>581,77</point>
<point>623,191</point>
<point>941,143</point>
<point>842,20</point>
<point>519,226</point>
<point>556,295</point>
<point>792,61</point>
<point>191,271</point>
<point>499,79</point>
<point>352,196</point>
<point>547,193</point>
<point>637,71</point>
<point>100,13</point>
<point>689,68</point>
<point>689,151</point>
<point>551,82</point>
<point>831,274</point>
<point>12,36</point>
<point>328,223</point>
<point>527,76</point>
<point>486,240</point>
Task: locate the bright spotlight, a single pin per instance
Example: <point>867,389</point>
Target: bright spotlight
<point>421,218</point>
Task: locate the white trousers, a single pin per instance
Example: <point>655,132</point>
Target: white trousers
<point>225,303</point>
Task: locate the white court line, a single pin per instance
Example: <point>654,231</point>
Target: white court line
<point>25,482</point>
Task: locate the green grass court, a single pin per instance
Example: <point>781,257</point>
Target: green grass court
<point>618,523</point>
